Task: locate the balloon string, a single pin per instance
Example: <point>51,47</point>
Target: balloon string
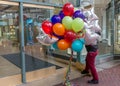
<point>67,76</point>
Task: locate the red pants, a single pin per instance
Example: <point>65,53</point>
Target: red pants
<point>90,64</point>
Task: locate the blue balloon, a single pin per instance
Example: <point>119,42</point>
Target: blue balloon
<point>56,19</point>
<point>29,21</point>
<point>54,45</point>
<point>82,40</point>
<point>77,46</point>
<point>61,14</point>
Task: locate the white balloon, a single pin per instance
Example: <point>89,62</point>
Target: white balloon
<point>90,15</point>
<point>95,27</point>
<point>45,39</point>
<point>87,26</point>
<point>91,38</point>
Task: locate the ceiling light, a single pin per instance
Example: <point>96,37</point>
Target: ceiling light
<point>26,5</point>
<point>9,3</point>
<point>38,6</point>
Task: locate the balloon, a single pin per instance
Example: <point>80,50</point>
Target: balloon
<point>78,14</point>
<point>59,37</point>
<point>63,44</point>
<point>77,24</point>
<point>45,39</point>
<point>68,9</point>
<point>77,46</point>
<point>70,36</point>
<point>29,21</point>
<point>61,14</point>
<point>47,27</point>
<point>67,22</point>
<point>58,29</point>
<point>91,37</point>
<point>54,45</point>
<point>82,40</point>
<point>90,15</point>
<point>95,27</point>
<point>56,19</point>
<point>87,13</point>
<point>87,26</point>
<point>75,9</point>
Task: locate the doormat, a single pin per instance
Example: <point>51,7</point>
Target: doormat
<point>32,63</point>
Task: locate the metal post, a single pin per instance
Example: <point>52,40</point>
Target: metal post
<point>113,22</point>
<point>22,50</point>
<point>79,57</point>
<point>79,53</point>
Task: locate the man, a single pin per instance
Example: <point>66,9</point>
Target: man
<point>92,36</point>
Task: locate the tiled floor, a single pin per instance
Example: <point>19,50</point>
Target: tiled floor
<point>7,68</point>
<point>109,75</point>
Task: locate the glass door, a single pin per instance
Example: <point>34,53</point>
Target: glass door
<point>117,35</point>
<point>9,40</point>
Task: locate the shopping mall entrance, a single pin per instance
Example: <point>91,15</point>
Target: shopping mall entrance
<point>40,61</point>
<point>37,63</point>
<point>9,39</point>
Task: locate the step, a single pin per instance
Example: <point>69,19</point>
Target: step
<point>30,76</point>
<point>57,78</point>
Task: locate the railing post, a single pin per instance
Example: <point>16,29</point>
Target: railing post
<point>22,50</point>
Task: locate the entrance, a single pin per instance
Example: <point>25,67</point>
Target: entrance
<point>35,53</point>
<point>117,36</point>
<point>9,39</point>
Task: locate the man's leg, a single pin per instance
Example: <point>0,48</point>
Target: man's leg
<point>91,63</point>
<point>86,70</point>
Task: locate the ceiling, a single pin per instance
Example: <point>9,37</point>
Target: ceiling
<point>101,3</point>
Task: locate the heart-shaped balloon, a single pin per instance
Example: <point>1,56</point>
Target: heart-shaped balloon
<point>46,39</point>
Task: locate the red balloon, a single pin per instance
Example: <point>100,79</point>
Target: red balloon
<point>68,9</point>
<point>47,27</point>
<point>70,35</point>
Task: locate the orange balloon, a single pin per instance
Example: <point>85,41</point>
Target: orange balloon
<point>59,29</point>
<point>63,44</point>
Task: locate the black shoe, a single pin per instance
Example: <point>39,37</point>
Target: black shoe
<point>85,72</point>
<point>93,81</point>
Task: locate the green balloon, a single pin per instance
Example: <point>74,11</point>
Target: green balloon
<point>77,24</point>
<point>67,22</point>
<point>75,9</point>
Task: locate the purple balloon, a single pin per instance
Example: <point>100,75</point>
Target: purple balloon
<point>56,19</point>
<point>59,37</point>
<point>61,14</point>
<point>78,14</point>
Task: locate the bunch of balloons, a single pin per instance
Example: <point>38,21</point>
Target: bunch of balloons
<point>65,30</point>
